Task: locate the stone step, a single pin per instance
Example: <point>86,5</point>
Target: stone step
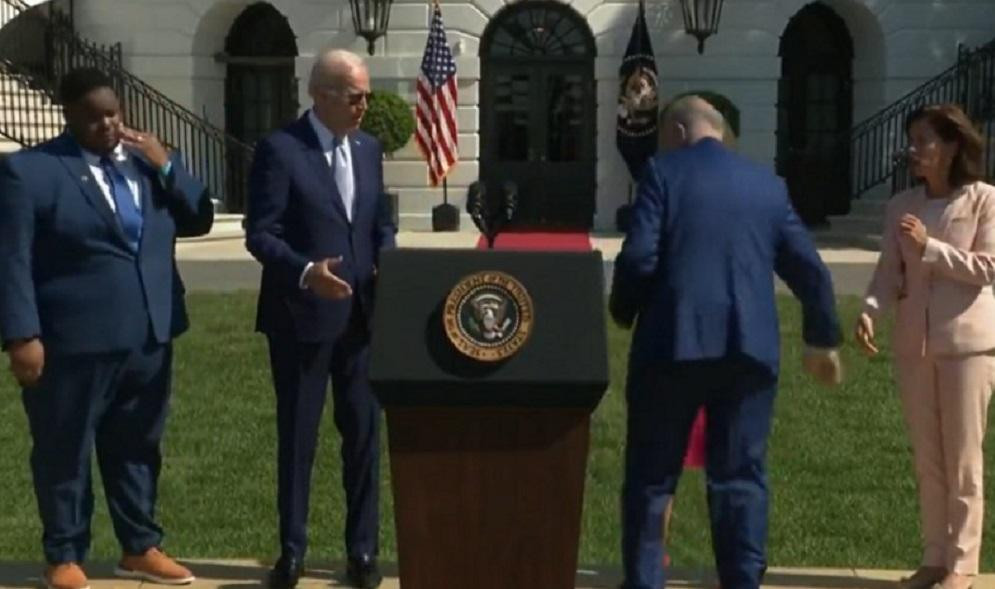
<point>31,135</point>
<point>15,91</point>
<point>31,115</point>
<point>861,228</point>
<point>858,217</point>
<point>27,114</point>
<point>31,111</point>
<point>868,206</point>
<point>421,200</point>
<point>7,146</point>
<point>849,225</point>
<point>14,84</point>
<point>423,222</point>
<point>226,226</point>
<point>850,239</point>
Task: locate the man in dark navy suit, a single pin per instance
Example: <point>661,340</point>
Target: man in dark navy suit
<point>709,230</point>
<point>317,221</point>
<point>90,302</point>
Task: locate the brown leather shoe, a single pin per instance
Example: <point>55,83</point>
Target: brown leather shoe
<point>154,567</point>
<point>66,575</point>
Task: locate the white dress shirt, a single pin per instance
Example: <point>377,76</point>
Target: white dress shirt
<point>123,162</point>
<point>327,141</point>
<point>341,166</point>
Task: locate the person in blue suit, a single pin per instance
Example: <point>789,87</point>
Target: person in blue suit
<point>695,273</point>
<point>317,221</point>
<point>90,301</point>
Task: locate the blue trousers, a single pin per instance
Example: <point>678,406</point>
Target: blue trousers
<point>300,374</point>
<point>662,403</point>
<point>116,402</point>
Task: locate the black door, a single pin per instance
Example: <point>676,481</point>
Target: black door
<point>538,114</point>
<point>815,112</point>
<point>263,98</point>
<point>260,86</point>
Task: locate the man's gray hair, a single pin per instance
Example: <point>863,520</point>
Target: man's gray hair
<point>332,66</point>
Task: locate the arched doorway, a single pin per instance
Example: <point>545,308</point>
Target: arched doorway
<point>815,112</point>
<point>538,112</point>
<point>260,86</point>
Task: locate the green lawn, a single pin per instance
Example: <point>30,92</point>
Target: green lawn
<point>840,469</point>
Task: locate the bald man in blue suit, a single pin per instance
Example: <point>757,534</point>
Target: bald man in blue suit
<point>709,230</point>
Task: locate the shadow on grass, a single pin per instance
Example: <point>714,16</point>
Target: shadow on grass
<point>242,577</point>
<point>701,579</point>
<point>28,575</point>
<point>101,575</point>
<point>825,581</point>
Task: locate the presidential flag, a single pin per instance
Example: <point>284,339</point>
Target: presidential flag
<point>636,128</point>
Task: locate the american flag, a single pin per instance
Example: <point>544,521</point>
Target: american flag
<point>435,131</point>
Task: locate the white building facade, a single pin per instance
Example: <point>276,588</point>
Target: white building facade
<point>538,79</point>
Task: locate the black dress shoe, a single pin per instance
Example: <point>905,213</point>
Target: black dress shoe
<point>285,573</point>
<point>363,572</point>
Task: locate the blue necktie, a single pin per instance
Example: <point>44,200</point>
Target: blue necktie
<point>127,211</point>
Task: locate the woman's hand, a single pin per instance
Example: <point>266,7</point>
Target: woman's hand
<point>914,231</point>
<point>865,334</point>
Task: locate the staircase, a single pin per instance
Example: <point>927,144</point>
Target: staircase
<point>878,145</point>
<point>861,228</point>
<point>39,45</point>
<point>35,120</point>
<point>27,124</point>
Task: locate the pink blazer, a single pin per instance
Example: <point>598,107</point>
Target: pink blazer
<point>944,300</point>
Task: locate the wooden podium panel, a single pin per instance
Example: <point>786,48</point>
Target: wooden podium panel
<point>488,498</point>
<point>488,456</point>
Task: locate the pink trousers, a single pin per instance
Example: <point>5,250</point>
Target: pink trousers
<point>945,404</point>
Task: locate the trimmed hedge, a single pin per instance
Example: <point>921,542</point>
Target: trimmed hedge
<point>388,118</point>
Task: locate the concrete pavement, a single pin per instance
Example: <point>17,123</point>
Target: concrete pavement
<point>219,262</point>
<point>230,574</point>
<point>225,243</point>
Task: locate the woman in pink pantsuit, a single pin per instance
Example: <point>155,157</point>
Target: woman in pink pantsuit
<point>936,269</point>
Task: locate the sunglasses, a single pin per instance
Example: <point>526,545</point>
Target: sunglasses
<point>354,98</point>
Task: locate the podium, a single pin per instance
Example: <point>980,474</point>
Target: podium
<point>488,365</point>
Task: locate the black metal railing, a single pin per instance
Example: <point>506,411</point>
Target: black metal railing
<point>38,49</point>
<point>878,144</point>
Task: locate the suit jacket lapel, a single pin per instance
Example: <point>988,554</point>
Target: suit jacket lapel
<point>145,179</point>
<point>71,157</point>
<point>315,155</point>
<point>357,177</point>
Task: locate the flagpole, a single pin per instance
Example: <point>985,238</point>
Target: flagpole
<point>437,91</point>
<point>445,181</point>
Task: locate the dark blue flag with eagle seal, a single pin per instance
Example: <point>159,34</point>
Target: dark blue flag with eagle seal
<point>637,99</point>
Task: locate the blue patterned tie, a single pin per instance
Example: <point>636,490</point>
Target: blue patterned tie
<point>127,211</point>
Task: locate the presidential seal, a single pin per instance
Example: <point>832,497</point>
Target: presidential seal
<point>488,316</point>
